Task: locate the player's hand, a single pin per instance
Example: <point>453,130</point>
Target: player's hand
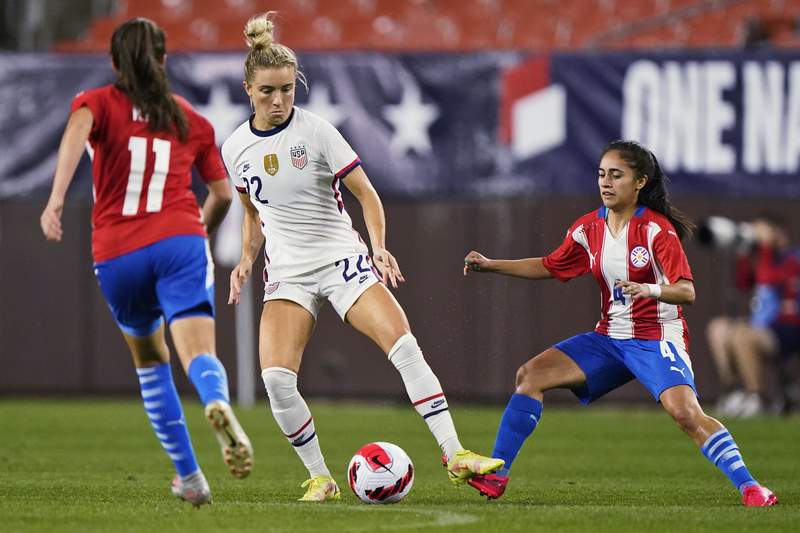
<point>239,277</point>
<point>387,266</point>
<point>636,291</point>
<point>50,220</point>
<point>476,262</point>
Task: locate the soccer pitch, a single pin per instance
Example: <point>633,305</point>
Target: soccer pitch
<point>92,465</point>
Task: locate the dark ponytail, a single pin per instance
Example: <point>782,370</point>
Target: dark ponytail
<point>654,193</point>
<point>137,50</point>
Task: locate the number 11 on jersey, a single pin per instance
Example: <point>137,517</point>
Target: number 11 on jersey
<point>155,191</point>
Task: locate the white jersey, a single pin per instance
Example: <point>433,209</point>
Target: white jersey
<point>292,174</point>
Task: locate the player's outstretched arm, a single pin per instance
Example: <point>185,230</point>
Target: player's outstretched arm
<point>69,155</point>
<point>252,241</point>
<point>217,204</point>
<point>531,268</point>
<point>358,183</point>
<point>680,293</point>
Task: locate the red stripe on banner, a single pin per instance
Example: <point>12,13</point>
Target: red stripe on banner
<point>518,82</point>
<point>296,433</point>
<point>426,399</point>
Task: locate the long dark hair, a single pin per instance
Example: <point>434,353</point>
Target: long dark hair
<point>654,193</point>
<point>137,50</point>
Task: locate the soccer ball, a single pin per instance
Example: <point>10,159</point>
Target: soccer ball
<point>380,472</point>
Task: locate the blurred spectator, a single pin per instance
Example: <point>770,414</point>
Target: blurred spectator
<point>761,31</point>
<point>741,347</point>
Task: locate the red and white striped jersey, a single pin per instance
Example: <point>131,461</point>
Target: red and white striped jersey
<point>648,250</point>
<point>143,179</point>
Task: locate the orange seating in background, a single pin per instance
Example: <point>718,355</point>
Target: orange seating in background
<point>435,25</point>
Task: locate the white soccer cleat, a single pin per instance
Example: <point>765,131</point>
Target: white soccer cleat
<point>237,452</point>
<point>193,489</point>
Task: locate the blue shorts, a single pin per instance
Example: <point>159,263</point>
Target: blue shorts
<point>172,278</point>
<point>610,363</point>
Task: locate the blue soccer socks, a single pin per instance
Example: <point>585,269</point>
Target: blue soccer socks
<point>209,378</point>
<point>723,452</point>
<point>520,418</point>
<point>163,408</point>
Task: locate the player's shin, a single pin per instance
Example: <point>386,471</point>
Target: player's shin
<point>723,452</point>
<point>520,418</point>
<point>294,418</point>
<point>209,378</point>
<point>163,408</point>
<point>425,392</point>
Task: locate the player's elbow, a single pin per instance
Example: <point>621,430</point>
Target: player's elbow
<point>688,294</point>
<point>224,195</point>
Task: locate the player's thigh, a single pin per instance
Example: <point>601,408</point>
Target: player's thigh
<point>184,278</point>
<point>378,315</point>
<point>128,286</point>
<point>551,369</point>
<point>193,336</point>
<point>284,332</point>
<point>148,350</point>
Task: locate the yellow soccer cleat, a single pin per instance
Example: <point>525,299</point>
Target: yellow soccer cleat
<point>320,488</point>
<point>466,464</point>
<point>237,452</point>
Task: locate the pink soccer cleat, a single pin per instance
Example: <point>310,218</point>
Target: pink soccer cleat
<point>758,496</point>
<point>490,485</point>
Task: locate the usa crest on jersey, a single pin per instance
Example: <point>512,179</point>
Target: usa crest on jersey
<point>299,156</point>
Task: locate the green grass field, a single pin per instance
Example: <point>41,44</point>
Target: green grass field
<point>96,466</point>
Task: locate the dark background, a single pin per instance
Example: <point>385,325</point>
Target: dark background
<point>57,335</point>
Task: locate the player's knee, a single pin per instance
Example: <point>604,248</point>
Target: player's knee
<point>526,377</point>
<point>687,416</point>
<point>281,383</point>
<point>405,352</point>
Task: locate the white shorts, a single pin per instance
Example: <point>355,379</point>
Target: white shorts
<point>341,283</point>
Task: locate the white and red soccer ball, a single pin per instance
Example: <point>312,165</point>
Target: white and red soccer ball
<point>380,472</point>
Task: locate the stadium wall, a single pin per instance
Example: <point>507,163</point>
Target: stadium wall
<point>57,336</point>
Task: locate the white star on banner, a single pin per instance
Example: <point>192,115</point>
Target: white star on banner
<point>411,119</point>
<point>223,114</point>
<point>319,103</point>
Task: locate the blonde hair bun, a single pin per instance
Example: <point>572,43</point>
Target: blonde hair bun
<point>258,31</point>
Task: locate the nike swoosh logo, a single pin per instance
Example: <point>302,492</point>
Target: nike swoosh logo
<point>378,462</point>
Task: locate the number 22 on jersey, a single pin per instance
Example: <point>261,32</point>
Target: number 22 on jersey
<point>155,191</point>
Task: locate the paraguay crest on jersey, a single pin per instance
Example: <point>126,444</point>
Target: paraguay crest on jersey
<point>640,257</point>
<point>299,156</point>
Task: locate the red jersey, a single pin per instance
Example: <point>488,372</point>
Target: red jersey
<point>779,269</point>
<point>142,179</point>
<point>648,250</point>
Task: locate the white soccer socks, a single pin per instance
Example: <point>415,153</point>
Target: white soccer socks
<point>425,392</point>
<point>294,418</point>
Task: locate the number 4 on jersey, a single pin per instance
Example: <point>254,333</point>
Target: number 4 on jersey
<point>155,191</point>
